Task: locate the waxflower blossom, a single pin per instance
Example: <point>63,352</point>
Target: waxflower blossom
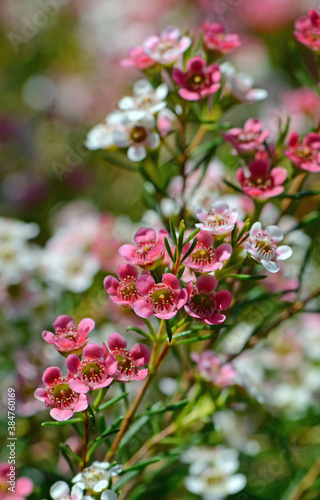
<point>240,85</point>
<point>67,338</point>
<point>61,491</point>
<point>138,58</point>
<point>198,81</point>
<point>260,182</point>
<point>262,245</point>
<point>129,362</point>
<point>59,396</point>
<point>23,486</point>
<point>145,97</point>
<point>212,369</point>
<point>205,258</point>
<point>204,303</point>
<point>219,221</point>
<point>249,139</point>
<point>307,30</point>
<point>101,135</point>
<point>123,292</point>
<point>162,300</point>
<point>93,371</point>
<point>149,251</point>
<point>167,48</point>
<point>306,154</point>
<point>95,478</point>
<point>215,39</point>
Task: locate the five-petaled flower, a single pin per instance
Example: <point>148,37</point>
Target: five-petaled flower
<point>145,97</point>
<point>307,30</point>
<point>219,221</point>
<point>162,300</point>
<point>167,48</point>
<point>306,154</point>
<point>59,396</point>
<point>262,245</point>
<point>61,491</point>
<point>205,257</point>
<point>249,139</point>
<point>67,338</point>
<point>199,81</point>
<point>205,303</point>
<point>261,182</point>
<point>149,251</point>
<point>215,39</point>
<point>129,362</point>
<point>123,292</point>
<point>96,478</point>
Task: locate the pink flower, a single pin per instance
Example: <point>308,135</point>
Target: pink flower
<point>163,300</point>
<point>129,363</point>
<point>66,337</point>
<point>93,371</point>
<point>59,396</point>
<point>22,486</point>
<point>250,138</point>
<point>306,154</point>
<point>123,292</point>
<point>262,183</point>
<point>215,39</point>
<point>219,221</point>
<point>262,245</point>
<point>167,48</point>
<point>204,303</point>
<point>148,252</point>
<point>138,59</point>
<point>205,258</point>
<point>212,369</point>
<point>198,81</point>
<point>308,30</point>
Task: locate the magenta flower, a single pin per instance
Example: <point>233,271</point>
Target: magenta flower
<point>198,81</point>
<point>59,396</point>
<point>163,300</point>
<point>204,303</point>
<point>205,258</point>
<point>138,59</point>
<point>22,487</point>
<point>66,337</point>
<point>249,139</point>
<point>306,154</point>
<point>262,183</point>
<point>93,371</point>
<point>262,245</point>
<point>307,30</point>
<point>167,48</point>
<point>129,362</point>
<point>212,369</point>
<point>219,221</point>
<point>148,252</point>
<point>123,292</point>
<point>215,39</point>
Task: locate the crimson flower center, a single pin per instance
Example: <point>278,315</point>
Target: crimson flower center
<point>138,134</point>
<point>203,304</point>
<point>125,361</point>
<point>199,81</point>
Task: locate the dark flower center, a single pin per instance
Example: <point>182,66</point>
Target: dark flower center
<point>202,304</point>
<point>264,247</point>
<point>138,134</point>
<point>199,81</point>
<point>162,298</point>
<point>203,256</point>
<point>62,395</point>
<point>125,361</point>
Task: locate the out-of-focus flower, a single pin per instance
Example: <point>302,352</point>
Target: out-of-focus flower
<point>123,292</point>
<point>165,121</point>
<point>302,101</point>
<point>198,81</point>
<point>212,472</point>
<point>262,245</point>
<point>67,338</point>
<point>240,85</point>
<point>93,372</point>
<point>306,154</point>
<point>262,183</point>
<point>138,58</point>
<point>61,491</point>
<point>167,48</point>
<point>149,251</point>
<point>129,362</point>
<point>162,300</point>
<point>307,30</point>
<point>205,258</point>
<point>22,487</point>
<point>96,477</point>
<point>145,97</point>
<point>212,369</point>
<point>101,135</point>
<point>219,221</point>
<point>204,303</point>
<point>215,39</point>
<point>59,396</point>
<point>250,138</point>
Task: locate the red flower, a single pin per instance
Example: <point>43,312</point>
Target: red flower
<point>262,183</point>
<point>198,81</point>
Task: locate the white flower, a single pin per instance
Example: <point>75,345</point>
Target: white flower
<point>145,97</point>
<point>96,478</point>
<point>61,491</point>
<point>12,229</point>
<point>101,135</point>
<point>240,85</point>
<point>219,221</point>
<point>262,245</point>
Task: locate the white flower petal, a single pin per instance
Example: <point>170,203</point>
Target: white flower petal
<point>59,489</point>
<point>136,153</point>
<point>108,495</point>
<point>283,252</point>
<point>101,485</point>
<point>270,265</point>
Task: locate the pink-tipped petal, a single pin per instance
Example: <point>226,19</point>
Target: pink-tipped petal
<point>92,351</point>
<point>171,281</point>
<point>116,340</point>
<point>223,299</point>
<point>111,285</point>
<point>223,252</point>
<point>215,319</point>
<point>207,283</point>
<point>63,322</point>
<point>73,364</point>
<point>140,355</point>
<point>51,374</point>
